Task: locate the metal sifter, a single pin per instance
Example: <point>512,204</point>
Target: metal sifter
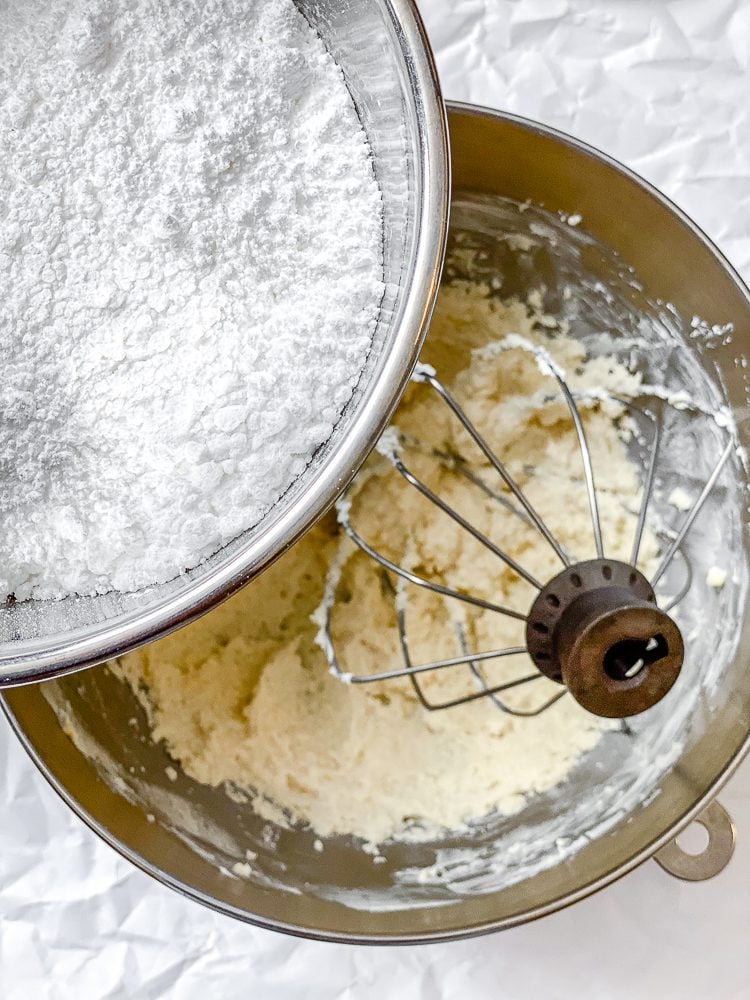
<point>381,49</point>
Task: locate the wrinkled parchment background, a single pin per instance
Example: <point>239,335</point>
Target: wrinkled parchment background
<point>664,85</point>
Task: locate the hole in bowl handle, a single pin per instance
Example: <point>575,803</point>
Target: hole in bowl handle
<point>713,859</point>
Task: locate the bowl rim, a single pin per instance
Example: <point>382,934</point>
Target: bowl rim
<point>31,660</point>
<point>486,926</point>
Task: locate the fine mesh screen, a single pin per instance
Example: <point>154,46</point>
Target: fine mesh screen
<point>365,39</point>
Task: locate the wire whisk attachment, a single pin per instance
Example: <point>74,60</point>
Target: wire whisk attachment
<point>594,627</point>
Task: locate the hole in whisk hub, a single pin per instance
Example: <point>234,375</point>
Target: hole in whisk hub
<point>627,658</point>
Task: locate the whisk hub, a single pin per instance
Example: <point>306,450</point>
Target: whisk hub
<point>596,628</point>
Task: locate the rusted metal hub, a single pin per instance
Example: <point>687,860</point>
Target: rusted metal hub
<point>595,628</point>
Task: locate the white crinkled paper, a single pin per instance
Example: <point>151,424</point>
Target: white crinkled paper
<point>664,87</point>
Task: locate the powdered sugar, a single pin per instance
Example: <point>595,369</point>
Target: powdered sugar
<point>190,272</point>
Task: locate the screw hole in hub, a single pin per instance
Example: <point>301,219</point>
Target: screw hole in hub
<point>626,659</point>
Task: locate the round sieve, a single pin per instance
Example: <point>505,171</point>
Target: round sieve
<point>384,55</point>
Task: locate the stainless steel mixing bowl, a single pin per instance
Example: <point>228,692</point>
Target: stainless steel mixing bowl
<point>382,50</point>
<point>628,797</point>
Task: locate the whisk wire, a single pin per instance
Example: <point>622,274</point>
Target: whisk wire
<point>466,525</point>
<point>692,514</point>
<point>469,660</point>
<point>421,581</point>
<point>423,668</point>
<point>492,692</point>
<point>429,379</point>
<point>648,482</point>
<point>683,591</point>
<point>588,469</point>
